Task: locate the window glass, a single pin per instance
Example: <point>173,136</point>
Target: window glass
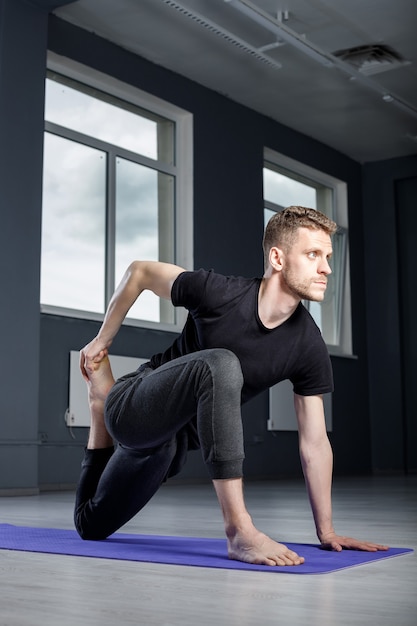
<point>142,212</point>
<point>282,190</point>
<point>73,225</point>
<point>95,117</point>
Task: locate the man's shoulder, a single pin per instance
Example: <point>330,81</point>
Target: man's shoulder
<point>307,329</point>
<point>203,285</point>
<point>212,277</point>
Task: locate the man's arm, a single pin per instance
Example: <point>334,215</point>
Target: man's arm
<point>140,275</point>
<point>317,463</point>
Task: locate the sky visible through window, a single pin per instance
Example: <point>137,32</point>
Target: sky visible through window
<point>285,191</point>
<point>81,112</point>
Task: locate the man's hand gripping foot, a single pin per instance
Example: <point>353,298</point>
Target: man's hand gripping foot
<point>96,370</point>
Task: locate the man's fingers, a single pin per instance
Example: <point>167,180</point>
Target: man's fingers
<point>348,543</point>
<point>336,547</point>
<point>366,546</point>
<point>371,547</point>
<point>100,356</point>
<point>88,361</point>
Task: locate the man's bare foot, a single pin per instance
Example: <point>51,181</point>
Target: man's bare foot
<point>100,381</point>
<point>244,541</point>
<point>257,548</point>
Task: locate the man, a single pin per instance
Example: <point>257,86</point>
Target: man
<point>241,337</point>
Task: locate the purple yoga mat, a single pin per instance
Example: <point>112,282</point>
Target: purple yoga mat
<point>193,551</point>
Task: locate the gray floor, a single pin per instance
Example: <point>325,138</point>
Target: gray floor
<point>41,589</point>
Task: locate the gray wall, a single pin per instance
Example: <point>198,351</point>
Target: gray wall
<point>23,40</point>
<point>390,220</point>
<point>36,447</point>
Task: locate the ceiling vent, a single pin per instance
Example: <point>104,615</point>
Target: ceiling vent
<point>372,58</point>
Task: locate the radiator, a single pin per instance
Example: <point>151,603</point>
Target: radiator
<point>281,408</point>
<point>78,413</point>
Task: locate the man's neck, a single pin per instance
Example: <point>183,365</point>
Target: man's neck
<point>275,305</point>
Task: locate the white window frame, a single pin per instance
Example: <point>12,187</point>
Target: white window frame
<point>340,216</point>
<point>184,253</point>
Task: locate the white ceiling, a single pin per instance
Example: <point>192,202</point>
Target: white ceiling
<point>215,44</point>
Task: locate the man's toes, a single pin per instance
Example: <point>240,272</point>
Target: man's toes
<point>290,559</point>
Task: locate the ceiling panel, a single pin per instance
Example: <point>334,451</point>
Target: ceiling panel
<point>214,43</point>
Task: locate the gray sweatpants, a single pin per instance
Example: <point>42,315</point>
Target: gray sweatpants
<point>148,413</point>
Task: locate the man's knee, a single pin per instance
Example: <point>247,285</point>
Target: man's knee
<point>224,366</point>
<point>87,530</point>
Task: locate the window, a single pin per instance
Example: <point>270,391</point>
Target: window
<point>288,182</point>
<point>116,187</point>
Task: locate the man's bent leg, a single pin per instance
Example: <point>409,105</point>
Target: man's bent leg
<point>113,487</point>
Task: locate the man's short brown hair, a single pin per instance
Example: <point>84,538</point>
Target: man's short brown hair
<point>282,228</point>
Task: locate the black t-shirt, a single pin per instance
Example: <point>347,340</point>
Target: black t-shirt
<point>223,313</point>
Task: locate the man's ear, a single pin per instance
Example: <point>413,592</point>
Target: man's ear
<point>276,258</point>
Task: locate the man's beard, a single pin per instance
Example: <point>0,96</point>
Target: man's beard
<point>303,289</point>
